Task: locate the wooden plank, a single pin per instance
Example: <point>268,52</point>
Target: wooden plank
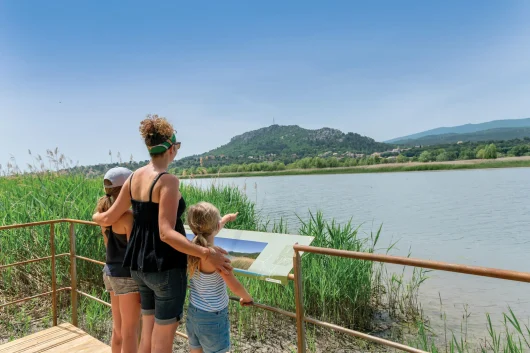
<point>59,339</point>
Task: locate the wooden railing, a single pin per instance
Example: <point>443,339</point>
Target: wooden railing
<point>299,315</point>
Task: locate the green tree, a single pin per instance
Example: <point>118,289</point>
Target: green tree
<point>442,157</point>
<point>402,159</point>
<point>321,162</point>
<point>333,162</point>
<point>519,150</point>
<point>467,153</point>
<point>490,152</point>
<point>425,156</point>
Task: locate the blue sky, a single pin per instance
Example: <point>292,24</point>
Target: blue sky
<point>81,75</point>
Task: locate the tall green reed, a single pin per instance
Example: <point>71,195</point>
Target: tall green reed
<point>341,291</point>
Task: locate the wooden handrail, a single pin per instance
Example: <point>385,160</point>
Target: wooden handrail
<point>32,260</point>
<point>23,300</point>
<point>407,261</point>
<point>296,277</point>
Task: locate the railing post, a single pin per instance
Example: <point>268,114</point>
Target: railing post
<point>299,302</point>
<point>54,284</point>
<point>73,275</point>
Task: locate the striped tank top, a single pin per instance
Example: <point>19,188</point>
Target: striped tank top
<point>208,291</point>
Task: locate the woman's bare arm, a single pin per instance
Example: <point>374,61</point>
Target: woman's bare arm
<point>122,204</point>
<point>167,218</point>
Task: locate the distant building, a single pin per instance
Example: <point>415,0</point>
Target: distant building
<point>460,142</point>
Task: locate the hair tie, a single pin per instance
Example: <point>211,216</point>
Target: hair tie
<point>108,195</point>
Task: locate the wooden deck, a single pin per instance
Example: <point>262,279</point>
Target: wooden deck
<point>59,339</point>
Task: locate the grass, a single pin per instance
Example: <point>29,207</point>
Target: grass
<point>342,291</point>
<point>512,337</point>
<point>338,290</point>
<point>383,168</point>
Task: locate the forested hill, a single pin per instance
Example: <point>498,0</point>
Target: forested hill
<point>294,140</point>
<point>284,144</point>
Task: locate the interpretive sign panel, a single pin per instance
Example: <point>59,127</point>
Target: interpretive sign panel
<point>266,256</point>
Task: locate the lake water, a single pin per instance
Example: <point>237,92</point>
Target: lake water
<point>474,217</point>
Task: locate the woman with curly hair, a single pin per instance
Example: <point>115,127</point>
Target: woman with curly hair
<point>158,248</point>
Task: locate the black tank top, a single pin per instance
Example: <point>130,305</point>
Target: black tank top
<point>116,246</point>
<point>145,251</point>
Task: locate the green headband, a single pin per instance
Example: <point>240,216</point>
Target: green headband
<point>164,146</point>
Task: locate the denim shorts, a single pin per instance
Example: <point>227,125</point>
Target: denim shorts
<point>162,294</point>
<point>120,285</point>
<point>208,330</point>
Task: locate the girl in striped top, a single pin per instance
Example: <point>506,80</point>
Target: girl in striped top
<point>207,321</point>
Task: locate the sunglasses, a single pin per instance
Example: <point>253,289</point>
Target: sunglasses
<point>177,144</point>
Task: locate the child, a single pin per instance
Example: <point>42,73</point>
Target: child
<point>124,293</point>
<point>207,321</point>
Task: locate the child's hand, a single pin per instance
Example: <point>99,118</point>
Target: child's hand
<point>231,217</point>
<point>246,301</point>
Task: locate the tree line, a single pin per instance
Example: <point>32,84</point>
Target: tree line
<point>424,154</point>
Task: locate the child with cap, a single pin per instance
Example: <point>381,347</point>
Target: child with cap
<point>124,294</point>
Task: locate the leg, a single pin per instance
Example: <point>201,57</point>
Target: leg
<point>211,330</point>
<point>163,336</point>
<point>147,301</point>
<point>169,292</point>
<point>130,321</point>
<point>148,322</point>
<point>195,345</point>
<point>116,340</point>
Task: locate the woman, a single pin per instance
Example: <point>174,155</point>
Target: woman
<point>124,296</point>
<point>158,248</point>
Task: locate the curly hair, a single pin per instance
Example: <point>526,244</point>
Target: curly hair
<point>155,130</point>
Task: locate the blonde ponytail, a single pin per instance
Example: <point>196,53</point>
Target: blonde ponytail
<point>203,220</point>
<point>194,262</point>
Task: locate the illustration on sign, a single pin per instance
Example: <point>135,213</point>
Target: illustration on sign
<point>266,256</point>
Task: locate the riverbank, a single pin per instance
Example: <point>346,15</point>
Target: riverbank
<point>508,162</point>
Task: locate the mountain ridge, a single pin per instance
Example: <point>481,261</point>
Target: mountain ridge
<point>466,128</point>
<point>498,134</point>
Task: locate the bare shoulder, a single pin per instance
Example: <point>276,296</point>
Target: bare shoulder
<point>169,181</point>
<point>127,217</point>
<point>205,267</point>
<point>125,222</point>
<point>169,178</point>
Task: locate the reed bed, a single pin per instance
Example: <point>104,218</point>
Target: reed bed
<point>352,293</point>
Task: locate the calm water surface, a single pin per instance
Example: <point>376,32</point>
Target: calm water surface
<point>476,217</point>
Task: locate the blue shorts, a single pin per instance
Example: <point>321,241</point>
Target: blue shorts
<point>208,330</point>
<point>162,294</point>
